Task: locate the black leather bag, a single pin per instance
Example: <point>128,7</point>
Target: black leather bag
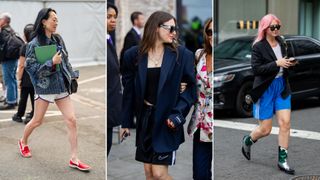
<point>74,86</point>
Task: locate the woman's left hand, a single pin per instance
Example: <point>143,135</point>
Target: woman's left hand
<point>170,124</point>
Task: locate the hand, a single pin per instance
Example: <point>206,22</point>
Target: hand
<point>57,58</point>
<point>293,61</point>
<point>285,63</point>
<point>183,87</point>
<point>124,132</point>
<point>170,124</point>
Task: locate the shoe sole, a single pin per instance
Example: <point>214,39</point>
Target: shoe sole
<point>21,152</point>
<point>76,167</point>
<point>284,170</point>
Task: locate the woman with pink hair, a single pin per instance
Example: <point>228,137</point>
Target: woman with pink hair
<point>271,90</point>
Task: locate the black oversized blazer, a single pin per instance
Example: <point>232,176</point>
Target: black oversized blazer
<point>265,69</point>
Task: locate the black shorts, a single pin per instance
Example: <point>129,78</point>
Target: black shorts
<point>152,157</point>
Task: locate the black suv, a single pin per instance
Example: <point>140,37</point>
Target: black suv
<point>233,76</point>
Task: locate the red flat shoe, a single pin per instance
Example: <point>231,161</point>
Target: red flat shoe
<point>24,150</point>
<point>79,165</point>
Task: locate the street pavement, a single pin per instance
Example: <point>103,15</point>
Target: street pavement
<point>49,143</point>
<point>303,149</point>
<point>121,164</point>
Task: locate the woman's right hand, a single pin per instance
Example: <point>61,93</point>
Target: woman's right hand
<point>284,63</point>
<point>57,58</point>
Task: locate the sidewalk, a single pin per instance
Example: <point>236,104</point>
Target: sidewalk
<point>49,143</point>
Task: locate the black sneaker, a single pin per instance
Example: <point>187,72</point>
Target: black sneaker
<point>16,118</point>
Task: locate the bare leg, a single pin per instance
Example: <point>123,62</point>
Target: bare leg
<point>40,110</point>
<point>66,107</point>
<point>262,130</point>
<point>160,172</point>
<point>148,171</point>
<point>283,117</point>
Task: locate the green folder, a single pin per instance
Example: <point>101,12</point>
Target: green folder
<point>45,53</point>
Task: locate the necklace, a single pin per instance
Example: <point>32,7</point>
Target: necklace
<point>156,59</point>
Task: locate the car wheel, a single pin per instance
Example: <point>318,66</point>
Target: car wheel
<point>244,102</point>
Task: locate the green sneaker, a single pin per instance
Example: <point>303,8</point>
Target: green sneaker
<point>282,161</point>
<point>246,146</point>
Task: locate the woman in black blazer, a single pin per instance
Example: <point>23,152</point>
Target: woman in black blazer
<point>271,89</point>
<point>152,74</point>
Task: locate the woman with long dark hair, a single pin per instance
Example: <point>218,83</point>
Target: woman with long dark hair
<point>152,76</point>
<point>271,90</point>
<point>51,83</point>
<point>201,123</point>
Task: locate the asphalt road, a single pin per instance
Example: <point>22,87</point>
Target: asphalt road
<point>304,154</point>
<point>49,144</point>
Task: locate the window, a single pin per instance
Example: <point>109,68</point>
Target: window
<point>305,47</point>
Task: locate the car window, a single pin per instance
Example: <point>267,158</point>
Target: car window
<point>233,49</point>
<point>305,47</point>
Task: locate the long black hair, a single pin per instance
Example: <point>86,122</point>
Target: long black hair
<point>39,31</point>
<point>28,31</point>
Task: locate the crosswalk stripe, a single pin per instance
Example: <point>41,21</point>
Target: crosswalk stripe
<point>275,130</point>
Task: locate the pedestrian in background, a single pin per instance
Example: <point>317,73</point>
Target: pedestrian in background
<point>25,84</point>
<point>152,76</point>
<point>9,63</point>
<point>51,83</point>
<point>114,91</point>
<point>201,123</point>
<point>271,92</point>
<point>132,38</point>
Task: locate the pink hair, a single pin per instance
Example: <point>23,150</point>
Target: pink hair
<point>264,25</point>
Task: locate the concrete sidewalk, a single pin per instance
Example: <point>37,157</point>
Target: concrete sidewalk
<point>49,143</point>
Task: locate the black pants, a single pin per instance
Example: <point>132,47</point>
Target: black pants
<point>25,92</point>
<point>109,140</point>
<point>202,158</point>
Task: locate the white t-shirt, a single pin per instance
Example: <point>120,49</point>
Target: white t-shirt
<point>278,53</point>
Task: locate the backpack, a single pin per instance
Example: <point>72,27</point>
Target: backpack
<point>13,45</point>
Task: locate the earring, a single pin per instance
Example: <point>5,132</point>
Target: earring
<point>44,26</point>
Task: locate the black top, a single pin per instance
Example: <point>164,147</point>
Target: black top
<point>153,76</point>
<point>25,80</point>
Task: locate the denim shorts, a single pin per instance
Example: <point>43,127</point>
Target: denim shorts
<point>271,101</point>
<point>51,98</point>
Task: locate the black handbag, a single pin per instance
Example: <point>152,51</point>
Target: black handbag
<point>74,86</point>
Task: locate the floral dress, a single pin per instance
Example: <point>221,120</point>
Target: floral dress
<point>202,117</point>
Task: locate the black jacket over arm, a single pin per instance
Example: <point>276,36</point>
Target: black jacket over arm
<point>265,69</point>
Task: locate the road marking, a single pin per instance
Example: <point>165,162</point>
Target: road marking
<point>92,79</point>
<point>48,114</point>
<point>275,130</point>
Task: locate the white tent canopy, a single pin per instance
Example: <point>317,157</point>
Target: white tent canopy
<point>81,24</point>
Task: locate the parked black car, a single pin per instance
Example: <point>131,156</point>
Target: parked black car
<point>233,76</point>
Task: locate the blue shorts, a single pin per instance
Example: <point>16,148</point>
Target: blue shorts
<point>271,101</point>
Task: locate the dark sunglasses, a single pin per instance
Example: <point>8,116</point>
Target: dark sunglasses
<point>274,27</point>
<point>209,32</point>
<point>171,29</point>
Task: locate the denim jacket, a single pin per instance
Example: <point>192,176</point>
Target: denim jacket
<point>44,78</point>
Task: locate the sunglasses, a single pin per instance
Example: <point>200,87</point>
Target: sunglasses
<point>171,29</point>
<point>274,27</point>
<point>209,32</point>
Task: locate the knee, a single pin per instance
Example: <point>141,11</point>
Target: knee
<point>71,121</point>
<point>266,131</point>
<point>284,125</point>
<point>158,175</point>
